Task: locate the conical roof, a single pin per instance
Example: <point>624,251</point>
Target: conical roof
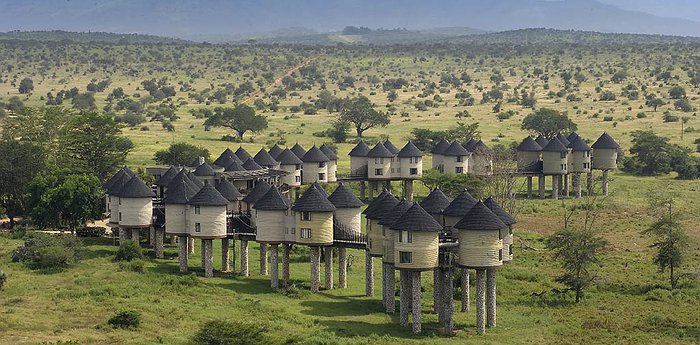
<point>379,151</point>
<point>480,218</point>
<point>470,145</point>
<point>235,166</point>
<point>313,201</point>
<point>228,190</point>
<point>250,164</point>
<point>529,145</point>
<point>410,150</point>
<point>208,196</point>
<point>135,188</point>
<point>605,141</point>
<point>541,140</point>
<point>180,191</point>
<point>118,175</point>
<point>242,154</point>
<point>382,208</point>
<point>391,147</point>
<point>204,169</point>
<point>320,188</point>
<point>128,171</point>
<point>373,204</point>
<point>342,197</point>
<point>455,149</point>
<point>275,151</point>
<point>287,157</point>
<point>314,155</point>
<point>505,217</point>
<point>225,158</point>
<point>273,200</point>
<point>460,205</point>
<point>481,148</point>
<point>118,183</point>
<point>555,145</point>
<point>395,213</point>
<point>165,179</point>
<point>257,192</point>
<point>264,159</point>
<point>435,202</point>
<point>195,179</point>
<point>181,176</point>
<point>577,144</point>
<point>328,152</point>
<point>298,150</point>
<point>360,150</point>
<point>440,147</point>
<point>416,219</point>
<point>563,139</point>
<point>572,136</point>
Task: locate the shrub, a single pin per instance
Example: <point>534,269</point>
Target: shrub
<point>219,332</point>
<point>47,251</point>
<point>53,257</point>
<point>132,266</point>
<point>607,118</point>
<point>91,231</point>
<point>641,115</point>
<point>128,251</point>
<point>3,279</point>
<point>18,232</point>
<point>125,319</point>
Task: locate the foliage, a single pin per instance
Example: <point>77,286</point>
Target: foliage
<point>233,332</point>
<point>425,138</point>
<point>452,184</point>
<point>128,250</point>
<point>69,204</point>
<point>548,122</point>
<point>90,231</point>
<point>26,86</point>
<point>241,119</point>
<point>670,240</point>
<point>180,154</point>
<point>47,251</point>
<point>339,131</point>
<point>132,266</point>
<point>84,102</point>
<point>20,162</point>
<point>652,154</point>
<point>125,319</point>
<point>361,114</point>
<point>3,279</point>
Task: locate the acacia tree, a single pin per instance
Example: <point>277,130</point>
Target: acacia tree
<point>361,114</point>
<point>180,154</point>
<point>20,162</point>
<point>69,203</point>
<point>548,122</point>
<point>241,119</point>
<point>670,239</point>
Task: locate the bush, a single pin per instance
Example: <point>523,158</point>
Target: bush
<point>47,251</point>
<point>91,231</point>
<point>125,319</point>
<point>52,257</point>
<point>3,279</point>
<point>607,118</point>
<point>18,232</point>
<point>219,332</point>
<point>128,251</point>
<point>132,266</point>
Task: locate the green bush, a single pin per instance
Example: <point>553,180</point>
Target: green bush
<point>224,332</point>
<point>47,251</point>
<point>128,251</point>
<point>132,266</point>
<point>91,231</point>
<point>54,257</point>
<point>3,279</point>
<point>125,319</point>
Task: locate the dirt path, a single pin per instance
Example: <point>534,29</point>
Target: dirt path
<point>278,81</point>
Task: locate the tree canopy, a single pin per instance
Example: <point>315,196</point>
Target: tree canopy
<point>361,114</point>
<point>241,119</point>
<point>180,154</point>
<point>20,162</point>
<point>548,122</point>
<point>69,202</point>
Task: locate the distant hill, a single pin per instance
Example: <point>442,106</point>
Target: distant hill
<point>107,37</point>
<point>553,36</point>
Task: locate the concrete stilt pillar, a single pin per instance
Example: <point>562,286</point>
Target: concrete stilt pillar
<point>285,263</point>
<point>566,185</point>
<point>464,290</point>
<point>208,258</point>
<point>589,183</point>
<point>480,301</point>
<point>202,253</point>
<point>183,253</point>
<point>152,237</point>
<point>173,239</point>
<point>390,289</point>
<point>342,268</point>
<point>529,187</point>
<point>124,235</point>
<point>263,259</point>
<point>605,182</point>
<point>314,255</point>
<point>491,297</point>
<point>408,190</point>
<point>447,308</point>
<point>404,296</point>
<point>436,291</point>
<point>158,242</point>
<point>328,270</point>
<point>369,274</point>
<point>244,258</point>
<point>225,255</point>
<point>136,235</point>
<point>233,255</point>
<point>190,245</point>
<point>416,301</point>
<point>541,186</point>
<point>274,267</point>
<point>555,187</point>
<point>363,186</point>
<point>576,182</point>
<point>385,282</point>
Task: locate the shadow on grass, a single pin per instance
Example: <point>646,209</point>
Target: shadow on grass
<point>352,329</point>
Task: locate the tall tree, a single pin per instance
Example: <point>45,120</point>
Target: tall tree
<point>670,239</point>
<point>26,85</point>
<point>548,122</point>
<point>180,154</point>
<point>20,162</point>
<point>241,119</point>
<point>70,203</point>
<point>360,113</point>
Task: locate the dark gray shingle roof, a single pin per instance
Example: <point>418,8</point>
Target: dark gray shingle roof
<point>455,149</point>
<point>605,141</point>
<point>118,183</point>
<point>342,197</point>
<point>395,213</point>
<point>204,170</point>
<point>328,152</point>
<point>298,150</point>
<point>235,166</point>
<point>273,200</point>
<point>435,202</point>
<point>470,145</point>
<point>577,144</point>
<point>542,140</point>
<point>225,158</point>
<point>460,205</point>
<point>115,177</point>
<point>373,204</point>
<point>480,218</point>
<point>180,190</point>
<point>555,145</point>
<point>257,192</point>
<point>410,150</point>
<point>440,147</point>
<point>168,176</point>
<point>195,179</point>
<point>264,159</point>
<point>287,157</point>
<point>572,136</point>
<point>379,151</point>
<point>228,190</point>
<point>529,145</point>
<point>360,150</point>
<point>250,164</point>
<point>314,155</point>
<point>391,147</point>
<point>242,154</point>
<point>382,208</point>
<point>208,196</point>
<point>320,188</point>
<point>135,188</point>
<point>313,201</point>
<point>505,217</point>
<point>275,151</point>
<point>416,219</point>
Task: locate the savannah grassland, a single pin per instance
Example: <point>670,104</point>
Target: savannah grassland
<point>628,304</point>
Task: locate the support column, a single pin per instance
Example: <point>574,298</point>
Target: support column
<point>342,268</point>
<point>390,289</point>
<point>173,239</point>
<point>123,235</point>
<point>314,253</point>
<point>328,259</point>
<point>201,250</point>
<point>208,258</point>
<point>363,186</point>
<point>464,290</point>
<point>480,301</point>
<point>404,296</point>
<point>158,245</point>
<point>136,235</point>
<point>182,253</point>
<point>605,182</point>
<point>372,188</point>
<point>436,291</point>
<point>541,186</point>
<point>491,297</point>
<point>408,190</point>
<point>274,273</point>
<point>576,181</point>
<point>529,187</point>
<point>190,245</point>
<point>244,258</point>
<point>447,309</point>
<point>225,267</point>
<point>369,274</point>
<point>152,237</point>
<point>385,281</point>
<point>555,187</point>
<point>589,182</point>
<point>285,263</point>
<point>263,259</point>
<point>416,301</point>
<point>233,255</point>
<point>566,185</point>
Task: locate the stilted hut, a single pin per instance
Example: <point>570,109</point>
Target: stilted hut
<point>562,138</point>
<point>265,160</point>
<point>528,155</point>
<point>435,203</point>
<point>332,162</point>
<point>298,150</point>
<point>256,193</point>
<point>438,154</point>
<point>481,159</point>
<point>315,166</point>
<point>358,159</point>
<point>177,213</point>
<point>410,162</point>
<point>290,163</point>
<point>163,181</point>
<point>347,209</point>
<point>379,164</point>
<point>572,136</point>
<point>194,179</point>
<point>579,162</point>
<point>456,159</point>
<point>555,162</point>
<point>231,193</point>
<point>275,151</point>
<point>114,186</point>
<point>506,233</point>
<point>375,237</point>
<point>604,157</point>
<point>242,154</point>
<point>208,222</point>
<point>206,173</point>
<point>388,259</point>
<point>251,165</point>
<point>226,158</point>
<point>456,210</point>
<point>135,207</point>
<point>272,210</point>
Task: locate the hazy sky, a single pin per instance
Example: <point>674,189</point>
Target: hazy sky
<point>688,9</point>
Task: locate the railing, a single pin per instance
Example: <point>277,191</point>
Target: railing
<point>342,233</point>
<point>446,258</point>
<point>241,225</point>
<point>355,174</point>
<point>158,215</point>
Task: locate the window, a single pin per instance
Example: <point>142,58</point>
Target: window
<point>414,171</point>
<point>562,155</point>
<point>120,201</point>
<point>459,170</point>
<point>297,179</point>
<point>586,165</point>
<point>379,172</point>
<point>586,153</point>
<point>500,235</point>
<point>286,212</point>
<point>459,159</point>
<point>414,159</point>
<point>563,167</point>
<point>120,216</point>
<point>510,230</point>
<point>405,257</point>
<point>379,160</point>
<point>197,210</point>
<point>321,164</point>
<point>510,249</point>
<point>294,231</point>
<point>305,233</point>
<point>500,255</point>
<point>297,167</point>
<point>197,227</point>
<point>109,199</point>
<point>392,170</point>
<point>306,216</point>
<point>321,176</point>
<point>405,237</point>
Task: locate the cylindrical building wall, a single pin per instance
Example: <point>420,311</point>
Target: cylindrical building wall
<point>176,216</point>
<point>554,163</point>
<point>480,249</point>
<point>423,248</point>
<point>316,231</point>
<point>579,162</point>
<point>207,223</point>
<point>136,212</point>
<point>293,177</point>
<point>270,226</point>
<point>528,160</point>
<point>411,167</point>
<point>350,218</point>
<point>314,172</point>
<point>375,238</point>
<point>604,159</point>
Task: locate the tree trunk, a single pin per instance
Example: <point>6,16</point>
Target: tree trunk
<point>359,131</point>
